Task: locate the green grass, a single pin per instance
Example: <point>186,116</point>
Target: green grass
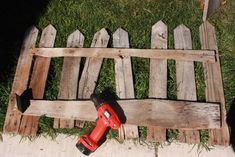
<point>137,17</point>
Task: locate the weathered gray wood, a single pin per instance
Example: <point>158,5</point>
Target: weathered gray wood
<point>145,112</point>
<point>92,66</point>
<point>29,124</point>
<point>13,117</point>
<point>185,79</point>
<point>124,80</point>
<point>91,69</point>
<point>69,77</point>
<point>186,55</point>
<point>209,8</point>
<point>158,77</point>
<point>214,84</point>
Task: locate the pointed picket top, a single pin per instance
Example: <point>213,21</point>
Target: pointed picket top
<point>120,38</point>
<point>208,25</point>
<point>75,39</point>
<point>100,39</point>
<point>207,36</point>
<point>159,34</point>
<point>183,36</point>
<point>48,36</point>
<point>32,30</point>
<point>30,37</point>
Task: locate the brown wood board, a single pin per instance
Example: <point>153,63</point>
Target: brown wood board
<point>20,82</point>
<point>155,112</point>
<point>214,84</point>
<point>124,81</point>
<point>185,79</point>
<point>69,77</point>
<point>158,77</point>
<point>187,55</point>
<point>29,124</point>
<point>92,66</point>
<point>90,73</point>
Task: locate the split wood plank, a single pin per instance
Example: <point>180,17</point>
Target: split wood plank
<point>186,55</point>
<point>185,79</point>
<point>209,8</point>
<point>69,77</point>
<point>124,81</point>
<point>29,124</point>
<point>13,117</point>
<point>91,69</point>
<point>157,112</point>
<point>92,66</point>
<point>158,77</point>
<point>214,84</point>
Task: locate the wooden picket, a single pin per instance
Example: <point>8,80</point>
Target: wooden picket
<point>185,114</point>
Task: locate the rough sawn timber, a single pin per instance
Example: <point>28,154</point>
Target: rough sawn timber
<point>13,117</point>
<point>214,84</point>
<point>186,55</point>
<point>29,124</point>
<point>92,66</point>
<point>124,81</point>
<point>91,69</point>
<point>185,79</point>
<point>158,77</point>
<point>157,112</point>
<point>69,77</point>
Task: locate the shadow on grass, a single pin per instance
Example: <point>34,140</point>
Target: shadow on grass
<point>231,123</point>
<point>16,18</point>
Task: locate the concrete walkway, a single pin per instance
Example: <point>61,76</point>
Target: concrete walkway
<point>63,146</point>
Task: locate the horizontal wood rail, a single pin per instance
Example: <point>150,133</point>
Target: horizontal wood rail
<point>176,54</point>
<point>145,112</point>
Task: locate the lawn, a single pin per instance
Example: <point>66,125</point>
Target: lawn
<point>137,18</point>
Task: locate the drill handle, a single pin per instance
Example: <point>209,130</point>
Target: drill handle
<point>96,100</point>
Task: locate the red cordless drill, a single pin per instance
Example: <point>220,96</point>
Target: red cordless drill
<point>106,118</point>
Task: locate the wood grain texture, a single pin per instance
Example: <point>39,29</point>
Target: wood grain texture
<point>214,84</point>
<point>157,112</point>
<point>185,79</point>
<point>209,8</point>
<point>69,77</point>
<point>29,124</point>
<point>13,117</point>
<point>158,77</point>
<point>124,81</point>
<point>92,67</point>
<point>186,55</point>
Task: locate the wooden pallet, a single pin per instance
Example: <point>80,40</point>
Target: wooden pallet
<point>157,113</point>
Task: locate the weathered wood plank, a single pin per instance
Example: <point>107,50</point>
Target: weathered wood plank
<point>214,85</point>
<point>185,79</point>
<point>210,7</point>
<point>158,77</point>
<point>124,81</point>
<point>13,117</point>
<point>91,69</point>
<point>92,66</point>
<point>69,77</point>
<point>145,112</point>
<point>187,55</point>
<point>29,124</point>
